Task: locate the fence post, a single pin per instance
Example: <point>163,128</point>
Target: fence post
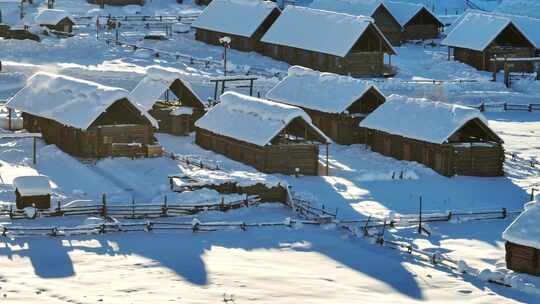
<point>164,207</point>
<point>482,107</point>
<point>58,208</point>
<point>504,213</point>
<point>420,216</point>
<point>104,205</point>
<point>532,194</point>
<point>132,206</point>
<point>505,106</point>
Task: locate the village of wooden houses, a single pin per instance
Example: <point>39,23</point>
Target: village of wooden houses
<point>256,151</point>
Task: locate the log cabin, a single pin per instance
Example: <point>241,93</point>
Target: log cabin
<point>58,20</point>
<point>84,118</point>
<point>244,21</point>
<point>375,9</point>
<point>478,37</point>
<point>166,94</point>
<point>450,139</point>
<point>522,241</point>
<point>32,191</point>
<point>416,20</point>
<point>272,137</point>
<point>329,42</point>
<point>335,103</point>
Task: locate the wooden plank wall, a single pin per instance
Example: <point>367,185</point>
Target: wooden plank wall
<point>522,258</point>
<point>478,160</point>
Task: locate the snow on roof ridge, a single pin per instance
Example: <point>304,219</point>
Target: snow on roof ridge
<point>251,119</point>
<point>70,101</point>
<point>321,91</point>
<point>420,118</point>
<point>328,13</point>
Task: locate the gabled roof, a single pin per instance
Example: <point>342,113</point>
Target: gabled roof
<point>420,119</point>
<point>404,12</point>
<point>52,16</point>
<point>530,27</point>
<point>524,230</point>
<point>353,7</point>
<point>153,86</point>
<point>236,17</point>
<point>66,100</point>
<point>252,120</point>
<point>319,31</point>
<point>324,92</point>
<point>476,30</point>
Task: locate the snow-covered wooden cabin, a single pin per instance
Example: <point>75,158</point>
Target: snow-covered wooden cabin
<point>84,118</point>
<point>522,241</point>
<point>478,37</point>
<point>451,139</point>
<point>272,137</point>
<point>169,98</point>
<point>58,20</point>
<point>416,20</point>
<point>32,191</point>
<point>244,21</point>
<point>335,103</point>
<point>329,42</point>
<point>375,9</point>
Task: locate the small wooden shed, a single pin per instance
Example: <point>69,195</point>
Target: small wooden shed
<point>272,137</point>
<point>309,37</point>
<point>84,118</point>
<point>32,191</point>
<point>244,21</point>
<point>478,37</point>
<point>375,9</point>
<point>450,139</point>
<point>523,241</point>
<point>170,99</point>
<point>335,103</point>
<point>416,20</point>
<point>58,20</point>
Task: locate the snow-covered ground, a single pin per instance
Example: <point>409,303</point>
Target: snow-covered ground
<point>302,264</point>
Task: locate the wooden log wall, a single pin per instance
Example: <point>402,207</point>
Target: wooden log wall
<point>522,258</point>
<point>478,160</point>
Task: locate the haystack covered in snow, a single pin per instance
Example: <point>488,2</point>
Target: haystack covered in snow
<point>375,9</point>
<point>477,37</point>
<point>451,139</point>
<point>58,20</point>
<point>416,20</point>
<point>523,241</point>
<point>335,103</point>
<point>32,191</point>
<point>328,41</point>
<point>244,21</point>
<point>169,98</point>
<point>270,136</point>
<point>82,117</point>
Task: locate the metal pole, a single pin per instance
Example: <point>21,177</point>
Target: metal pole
<point>34,152</point>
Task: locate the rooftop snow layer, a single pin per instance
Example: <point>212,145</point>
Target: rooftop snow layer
<point>405,11</point>
<point>528,26</point>
<point>69,101</point>
<point>476,30</point>
<point>250,119</point>
<point>325,92</point>
<point>153,86</point>
<point>51,16</point>
<point>353,7</point>
<point>32,185</point>
<point>420,118</point>
<point>319,31</point>
<point>237,17</point>
<point>525,230</point>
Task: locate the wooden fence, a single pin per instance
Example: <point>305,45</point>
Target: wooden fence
<point>531,107</point>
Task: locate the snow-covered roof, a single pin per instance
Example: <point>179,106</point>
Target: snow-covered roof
<point>69,101</point>
<point>405,11</point>
<point>155,83</point>
<point>353,7</point>
<point>51,16</point>
<point>237,17</point>
<point>530,27</point>
<point>419,118</point>
<point>325,92</point>
<point>250,119</point>
<point>476,30</point>
<point>319,31</point>
<point>525,230</point>
<point>32,185</point>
